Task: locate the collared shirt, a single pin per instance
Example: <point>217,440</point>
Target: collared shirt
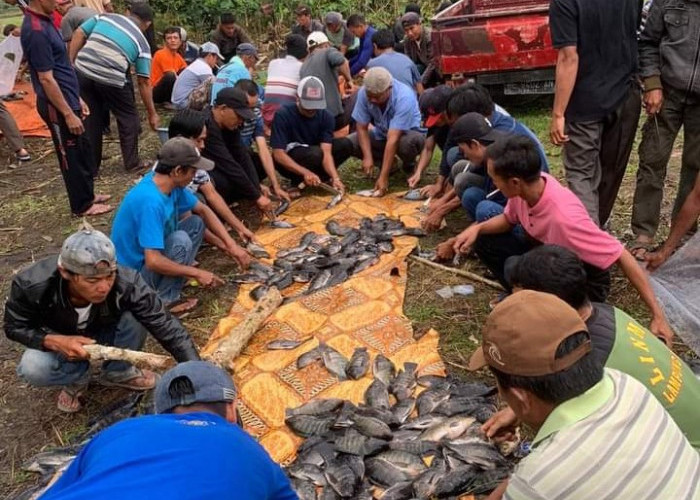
<point>366,50</point>
<point>228,75</point>
<point>613,441</point>
<point>114,43</point>
<point>281,86</point>
<point>400,112</point>
<point>559,218</point>
<point>251,129</point>
<point>45,50</point>
<point>399,65</point>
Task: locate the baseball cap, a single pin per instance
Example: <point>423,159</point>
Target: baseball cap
<point>524,331</point>
<point>211,384</point>
<point>474,127</point>
<point>210,48</point>
<point>316,38</point>
<point>311,93</point>
<point>377,80</point>
<point>247,49</point>
<point>333,18</point>
<point>88,252</point>
<point>180,151</point>
<point>237,100</point>
<point>433,103</point>
<point>409,19</point>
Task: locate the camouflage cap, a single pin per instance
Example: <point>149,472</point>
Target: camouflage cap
<point>88,252</point>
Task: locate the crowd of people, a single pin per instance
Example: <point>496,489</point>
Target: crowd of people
<point>587,377</point>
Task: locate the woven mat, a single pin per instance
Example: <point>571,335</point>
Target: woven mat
<point>365,311</point>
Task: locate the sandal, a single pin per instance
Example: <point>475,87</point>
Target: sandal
<point>23,156</point>
<point>145,380</point>
<point>97,209</point>
<point>69,398</point>
<point>640,249</point>
<point>182,306</point>
<point>101,198</point>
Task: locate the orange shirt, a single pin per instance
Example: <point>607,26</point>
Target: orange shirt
<point>163,61</point>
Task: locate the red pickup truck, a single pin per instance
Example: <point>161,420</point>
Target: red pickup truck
<point>502,44</point>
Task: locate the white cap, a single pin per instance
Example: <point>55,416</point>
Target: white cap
<point>316,38</point>
<point>210,48</point>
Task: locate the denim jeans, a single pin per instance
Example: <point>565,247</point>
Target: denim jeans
<point>180,247</point>
<point>46,368</point>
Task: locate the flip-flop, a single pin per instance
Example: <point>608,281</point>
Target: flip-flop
<point>182,306</point>
<point>640,250</point>
<point>145,380</point>
<point>101,198</point>
<point>74,394</point>
<point>97,209</point>
<point>24,157</point>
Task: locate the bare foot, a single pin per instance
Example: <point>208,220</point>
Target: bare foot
<point>97,209</point>
<point>69,400</point>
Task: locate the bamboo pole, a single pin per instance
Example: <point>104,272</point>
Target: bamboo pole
<point>458,272</point>
<point>144,359</point>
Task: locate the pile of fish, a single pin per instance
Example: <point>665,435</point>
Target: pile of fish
<point>400,443</point>
<point>324,260</point>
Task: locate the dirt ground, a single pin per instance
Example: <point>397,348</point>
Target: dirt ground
<point>35,219</point>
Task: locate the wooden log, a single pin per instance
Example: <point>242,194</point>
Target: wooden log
<point>143,359</point>
<point>231,346</point>
<point>458,272</point>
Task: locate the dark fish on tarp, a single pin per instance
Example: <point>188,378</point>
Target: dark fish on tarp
<point>481,453</point>
<point>383,369</point>
<point>413,195</point>
<point>359,364</point>
<point>432,381</point>
<point>305,490</point>
<point>335,200</point>
<point>308,425</point>
<point>308,357</point>
<point>333,227</point>
<point>281,224</point>
<point>281,208</point>
<point>383,473</point>
<point>386,246</point>
<point>377,395</point>
<point>369,193</point>
<point>400,491</point>
<point>281,280</point>
<point>372,427</point>
<point>307,472</point>
<point>450,428</point>
<point>328,493</point>
<point>456,406</point>
<point>403,409</point>
<point>424,422</point>
<point>426,484</point>
<point>285,344</point>
<point>415,446</point>
<point>358,444</point>
<point>404,383</point>
<point>317,407</point>
<point>456,481</point>
<point>334,362</point>
<point>355,462</point>
<point>248,278</point>
<point>430,399</point>
<point>256,250</point>
<point>379,413</point>
<point>341,477</point>
<point>258,292</point>
<point>320,281</point>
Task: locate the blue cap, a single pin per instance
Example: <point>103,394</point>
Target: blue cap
<point>210,384</point>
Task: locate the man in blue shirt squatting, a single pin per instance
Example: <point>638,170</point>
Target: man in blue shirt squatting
<point>392,109</point>
<point>61,303</point>
<point>194,450</point>
<point>152,237</point>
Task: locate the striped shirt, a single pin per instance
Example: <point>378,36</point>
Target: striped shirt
<point>114,43</point>
<point>252,128</point>
<point>615,441</point>
<point>281,87</point>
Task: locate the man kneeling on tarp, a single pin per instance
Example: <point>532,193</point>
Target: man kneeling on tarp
<point>62,303</point>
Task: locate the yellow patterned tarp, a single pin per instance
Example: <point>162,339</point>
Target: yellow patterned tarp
<point>365,311</point>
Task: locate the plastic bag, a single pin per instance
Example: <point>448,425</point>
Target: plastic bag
<point>677,287</point>
<point>10,59</point>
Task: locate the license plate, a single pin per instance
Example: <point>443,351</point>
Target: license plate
<point>544,87</point>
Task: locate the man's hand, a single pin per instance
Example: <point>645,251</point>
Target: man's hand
<point>239,255</point>
<point>71,346</point>
<point>281,193</point>
<point>153,120</point>
<point>414,180</point>
<point>264,204</point>
<point>311,179</point>
<point>466,239</point>
<point>368,167</point>
<point>556,131</point>
<point>84,109</point>
<point>660,327</point>
<point>338,184</point>
<point>246,234</point>
<point>501,427</point>
<point>432,222</point>
<point>207,278</point>
<point>444,250</point>
<point>653,100</point>
<point>382,185</point>
<point>431,191</point>
<point>265,190</point>
<point>655,259</point>
<point>74,124</point>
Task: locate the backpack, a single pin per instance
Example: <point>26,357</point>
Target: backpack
<point>201,95</point>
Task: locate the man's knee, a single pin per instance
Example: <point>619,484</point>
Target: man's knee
<point>410,145</point>
<point>40,368</point>
<point>178,246</point>
<point>486,210</point>
<point>453,155</point>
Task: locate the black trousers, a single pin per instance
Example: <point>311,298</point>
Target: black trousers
<point>120,102</point>
<point>74,157</point>
<point>312,158</point>
<point>496,250</point>
<point>163,90</point>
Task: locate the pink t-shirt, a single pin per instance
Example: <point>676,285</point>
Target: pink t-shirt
<point>559,218</point>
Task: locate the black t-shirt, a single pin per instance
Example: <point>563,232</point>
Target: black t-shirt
<point>440,134</point>
<point>290,128</point>
<point>602,329</point>
<point>605,35</point>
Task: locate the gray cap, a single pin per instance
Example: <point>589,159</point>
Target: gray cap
<point>246,49</point>
<point>88,252</point>
<point>210,384</point>
<point>377,80</point>
<point>210,48</point>
<point>180,151</point>
<point>333,18</point>
<point>409,19</point>
<point>311,93</point>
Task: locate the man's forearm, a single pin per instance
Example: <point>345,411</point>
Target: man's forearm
<point>160,264</point>
<point>639,280</point>
<point>426,155</point>
<point>566,71</point>
<point>328,162</point>
<point>77,42</point>
<point>146,94</point>
<point>684,220</point>
<point>214,240</point>
<point>495,225</point>
<point>392,145</point>
<point>213,224</point>
<point>217,203</point>
<point>364,142</point>
<point>344,70</point>
<point>54,95</point>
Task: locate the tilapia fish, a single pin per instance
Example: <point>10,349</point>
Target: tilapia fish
<point>256,250</point>
<point>334,362</point>
<point>413,195</point>
<point>282,344</point>
<point>383,369</point>
<point>359,363</point>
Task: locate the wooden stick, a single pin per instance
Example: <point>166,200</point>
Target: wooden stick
<point>458,272</point>
<point>144,359</point>
<point>235,341</point>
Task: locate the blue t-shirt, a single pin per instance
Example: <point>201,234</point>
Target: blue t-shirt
<point>45,50</point>
<point>399,65</point>
<point>400,111</point>
<point>227,76</point>
<point>291,129</point>
<point>146,218</point>
<point>190,456</point>
<point>358,62</point>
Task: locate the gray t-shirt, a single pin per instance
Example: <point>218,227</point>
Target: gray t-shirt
<point>323,64</point>
<point>73,19</point>
<point>190,78</point>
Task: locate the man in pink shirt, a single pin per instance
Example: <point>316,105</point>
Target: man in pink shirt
<point>549,214</point>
